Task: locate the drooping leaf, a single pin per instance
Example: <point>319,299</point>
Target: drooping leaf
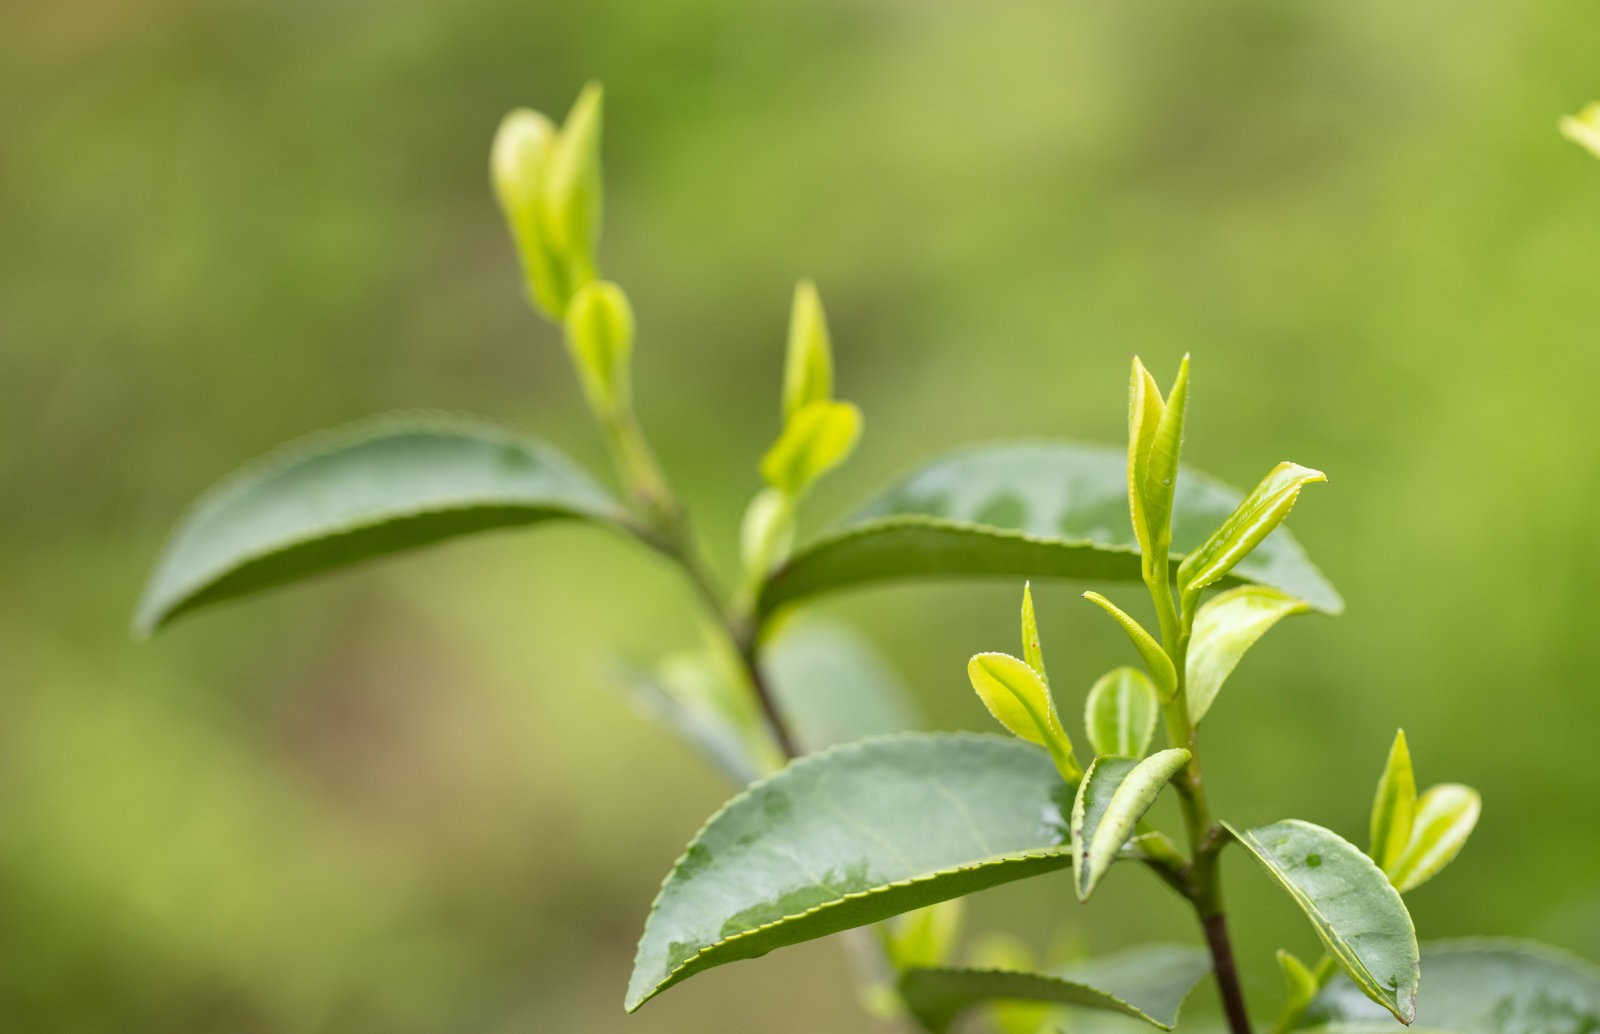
<point>808,362</point>
<point>847,837</point>
<point>1019,700</point>
<point>818,438</point>
<point>1445,816</point>
<point>925,937</point>
<point>1224,628</point>
<point>833,685</point>
<point>1477,987</point>
<point>356,493</point>
<point>1032,649</point>
<point>1148,983</point>
<point>1358,916</point>
<point>1112,798</point>
<point>1155,658</point>
<point>1394,806</point>
<point>1121,712</point>
<point>1251,521</point>
<point>1037,510</point>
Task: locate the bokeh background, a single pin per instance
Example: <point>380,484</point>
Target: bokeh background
<point>409,798</point>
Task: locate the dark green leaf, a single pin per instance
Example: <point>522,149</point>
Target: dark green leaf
<point>1148,983</point>
<point>1112,798</point>
<point>356,493</point>
<point>1358,916</point>
<point>848,837</point>
<point>1026,510</point>
<point>1478,987</point>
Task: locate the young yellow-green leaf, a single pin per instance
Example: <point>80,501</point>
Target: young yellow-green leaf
<point>1224,628</point>
<point>1394,807</point>
<point>818,438</point>
<point>1112,798</point>
<point>1034,510</point>
<point>1444,819</point>
<point>599,328</point>
<point>808,363</point>
<point>1148,983</point>
<point>1155,658</point>
<point>1019,700</point>
<point>1160,479</point>
<point>356,493</point>
<point>767,532</point>
<point>571,190</point>
<point>926,937</point>
<point>848,837</point>
<point>1583,128</point>
<point>1032,649</point>
<point>516,170</point>
<point>1120,713</point>
<point>1481,986</point>
<point>1145,407</point>
<point>1299,984</point>
<point>1254,518</point>
<point>1358,916</point>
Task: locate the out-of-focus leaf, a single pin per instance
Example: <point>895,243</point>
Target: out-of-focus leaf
<point>357,493</point>
<point>1358,916</point>
<point>1037,510</point>
<point>1019,700</point>
<point>695,699</point>
<point>599,333</point>
<point>1477,987</point>
<point>571,190</point>
<point>1120,713</point>
<point>847,837</point>
<point>926,937</point>
<point>808,363</point>
<point>1446,814</point>
<point>1155,658</point>
<point>1112,798</point>
<point>1394,806</point>
<point>1251,521</point>
<point>1583,128</point>
<point>1148,983</point>
<point>1298,981</point>
<point>1224,628</point>
<point>1032,649</point>
<point>818,438</point>
<point>834,686</point>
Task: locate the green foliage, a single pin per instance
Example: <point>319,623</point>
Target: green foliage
<point>1261,511</point>
<point>819,437</point>
<point>1583,128</point>
<point>1112,798</point>
<point>1019,700</point>
<point>1394,807</point>
<point>1155,658</point>
<point>1120,713</point>
<point>1224,628</point>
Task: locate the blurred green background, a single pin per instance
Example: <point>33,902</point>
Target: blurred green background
<point>409,799</point>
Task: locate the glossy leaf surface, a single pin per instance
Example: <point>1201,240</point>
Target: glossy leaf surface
<point>357,493</point>
<point>1224,628</point>
<point>1120,713</point>
<point>1148,983</point>
<point>1394,806</point>
<point>1015,694</point>
<point>1477,987</point>
<point>1112,798</point>
<point>1026,510</point>
<point>1256,517</point>
<point>848,837</point>
<point>1358,916</point>
<point>1446,815</point>
<point>1155,658</point>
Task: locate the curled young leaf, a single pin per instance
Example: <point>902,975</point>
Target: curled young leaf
<point>1120,713</point>
<point>1019,700</point>
<point>1394,806</point>
<point>1155,658</point>
<point>1444,819</point>
<point>1148,983</point>
<point>818,438</point>
<point>808,363</point>
<point>1224,628</point>
<point>516,169</point>
<point>867,830</point>
<point>1112,798</point>
<point>1155,439</point>
<point>1358,916</point>
<point>1032,649</point>
<point>1261,511</point>
<point>599,332</point>
<point>1145,407</point>
<point>571,190</point>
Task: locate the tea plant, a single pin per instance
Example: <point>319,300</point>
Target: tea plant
<point>899,827</point>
